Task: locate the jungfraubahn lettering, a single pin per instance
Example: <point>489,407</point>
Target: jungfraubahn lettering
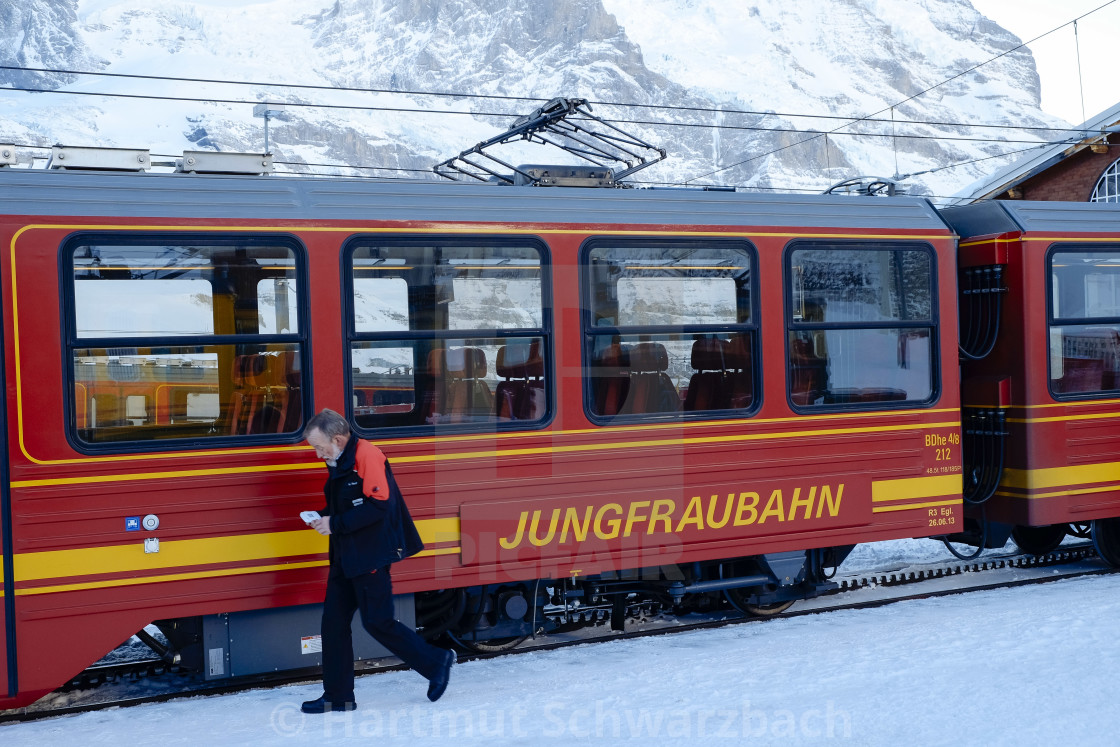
<point>612,520</point>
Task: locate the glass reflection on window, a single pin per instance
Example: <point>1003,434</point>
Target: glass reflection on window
<point>136,375</point>
<point>447,334</point>
<point>1085,321</point>
<point>671,328</point>
<point>861,325</point>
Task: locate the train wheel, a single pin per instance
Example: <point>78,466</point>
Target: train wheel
<point>1039,540</point>
<point>1082,531</point>
<point>739,597</point>
<point>767,610</point>
<point>1106,540</point>
<point>491,646</point>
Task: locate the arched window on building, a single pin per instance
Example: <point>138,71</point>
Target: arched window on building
<point>1108,188</point>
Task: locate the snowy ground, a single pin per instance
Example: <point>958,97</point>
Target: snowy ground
<point>1023,666</point>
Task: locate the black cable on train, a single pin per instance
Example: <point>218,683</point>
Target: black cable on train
<point>983,287</point>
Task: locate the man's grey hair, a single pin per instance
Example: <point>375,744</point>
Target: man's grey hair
<point>329,423</point>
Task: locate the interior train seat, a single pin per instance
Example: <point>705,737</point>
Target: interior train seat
<point>610,379</point>
<point>520,395</point>
<point>468,394</point>
<point>1111,358</point>
<point>261,399</point>
<point>1102,343</point>
<point>707,388</point>
<point>292,377</point>
<point>739,380</point>
<point>247,376</point>
<point>432,383</point>
<point>651,389</point>
<point>1080,375</point>
<point>808,374</point>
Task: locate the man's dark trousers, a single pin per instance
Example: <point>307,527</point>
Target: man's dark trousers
<point>372,595</point>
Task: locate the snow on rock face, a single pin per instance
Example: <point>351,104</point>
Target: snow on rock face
<point>42,34</point>
<point>847,58</point>
<point>509,47</point>
<point>832,57</point>
<point>855,56</point>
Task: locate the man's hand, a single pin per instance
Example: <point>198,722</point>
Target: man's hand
<point>322,525</point>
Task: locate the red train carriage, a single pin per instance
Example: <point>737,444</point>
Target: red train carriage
<point>1054,369</point>
<point>588,396</point>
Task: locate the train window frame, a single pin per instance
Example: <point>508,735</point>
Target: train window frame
<point>351,336</point>
<point>70,341</point>
<point>1052,321</point>
<point>590,331</point>
<point>933,324</point>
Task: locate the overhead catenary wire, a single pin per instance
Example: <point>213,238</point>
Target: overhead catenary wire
<point>1080,79</point>
<point>418,110</point>
<point>248,102</point>
<point>264,84</point>
<point>832,133</point>
<point>987,158</point>
<point>448,94</point>
<point>945,167</point>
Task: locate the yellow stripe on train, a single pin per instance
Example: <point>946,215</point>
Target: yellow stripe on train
<point>911,488</point>
<point>502,453</point>
<point>89,561</point>
<point>203,574</point>
<point>1059,477</point>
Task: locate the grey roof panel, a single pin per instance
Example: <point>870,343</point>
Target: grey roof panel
<point>980,219</point>
<point>999,216</point>
<point>67,193</point>
<point>1067,217</point>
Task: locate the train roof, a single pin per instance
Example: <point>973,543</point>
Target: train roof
<point>1003,216</point>
<point>35,192</point>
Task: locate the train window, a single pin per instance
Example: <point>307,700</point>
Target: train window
<point>861,330</point>
<point>1084,321</point>
<point>447,332</point>
<point>669,328</point>
<point>184,337</point>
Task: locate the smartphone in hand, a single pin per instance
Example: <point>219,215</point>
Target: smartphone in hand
<point>309,516</point>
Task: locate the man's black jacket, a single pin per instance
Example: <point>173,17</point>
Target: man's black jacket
<point>367,531</point>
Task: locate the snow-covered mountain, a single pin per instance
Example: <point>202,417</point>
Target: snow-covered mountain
<point>42,34</point>
<point>793,64</point>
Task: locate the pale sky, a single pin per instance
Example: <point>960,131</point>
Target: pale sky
<point>1056,55</point>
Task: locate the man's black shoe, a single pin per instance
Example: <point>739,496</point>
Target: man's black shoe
<point>322,705</point>
<point>438,684</point>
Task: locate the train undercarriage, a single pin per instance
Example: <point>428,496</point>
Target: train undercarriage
<point>983,535</point>
<point>492,618</point>
<point>489,618</point>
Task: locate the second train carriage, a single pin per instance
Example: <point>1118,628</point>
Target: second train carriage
<point>1050,386</point>
<point>585,394</point>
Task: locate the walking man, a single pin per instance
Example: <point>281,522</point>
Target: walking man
<point>369,528</point>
